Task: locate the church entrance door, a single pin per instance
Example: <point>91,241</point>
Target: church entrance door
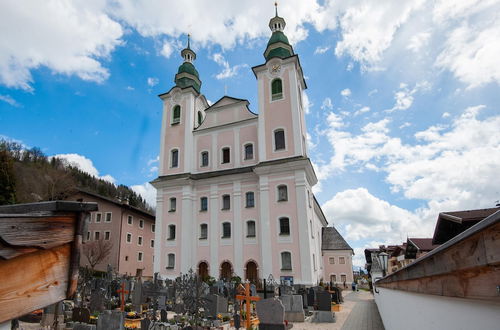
<point>226,270</point>
<point>203,270</point>
<point>251,272</point>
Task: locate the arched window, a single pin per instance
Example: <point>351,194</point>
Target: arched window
<point>200,117</point>
<point>226,158</point>
<point>170,261</point>
<point>176,115</point>
<point>226,202</point>
<point>174,158</point>
<point>171,232</point>
<point>286,261</point>
<point>279,139</point>
<point>248,151</point>
<point>203,231</point>
<point>226,230</point>
<point>250,199</point>
<point>276,89</point>
<point>284,226</point>
<point>282,193</point>
<point>250,228</point>
<point>204,158</point>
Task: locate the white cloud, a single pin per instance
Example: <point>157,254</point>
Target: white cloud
<point>147,191</point>
<point>327,104</point>
<point>372,92</point>
<point>362,110</point>
<point>227,71</point>
<point>418,41</point>
<point>152,81</point>
<point>321,50</point>
<point>446,115</point>
<point>129,88</point>
<point>8,99</point>
<point>404,96</point>
<point>404,125</point>
<point>84,164</point>
<point>67,37</point>
<point>167,49</point>
<point>345,92</point>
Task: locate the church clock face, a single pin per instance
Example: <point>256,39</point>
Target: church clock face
<point>275,69</point>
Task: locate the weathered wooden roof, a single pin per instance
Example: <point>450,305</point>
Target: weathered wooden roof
<point>332,240</point>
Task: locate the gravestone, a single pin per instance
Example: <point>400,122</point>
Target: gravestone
<point>83,326</point>
<point>81,315</point>
<point>48,316</point>
<point>303,293</point>
<point>215,305</point>
<point>271,314</point>
<point>163,316</point>
<point>237,320</point>
<point>145,323</point>
<point>97,301</point>
<point>110,320</point>
<point>335,295</point>
<point>324,301</point>
<point>310,297</point>
<point>294,311</point>
<point>162,302</point>
<point>253,289</point>
<point>213,290</point>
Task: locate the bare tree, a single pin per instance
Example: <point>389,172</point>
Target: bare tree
<point>96,251</point>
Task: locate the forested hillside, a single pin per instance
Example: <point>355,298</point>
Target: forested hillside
<point>27,175</point>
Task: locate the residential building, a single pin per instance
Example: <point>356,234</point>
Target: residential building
<point>234,192</point>
<point>337,257</point>
<point>130,231</point>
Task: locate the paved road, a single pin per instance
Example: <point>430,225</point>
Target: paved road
<point>364,314</point>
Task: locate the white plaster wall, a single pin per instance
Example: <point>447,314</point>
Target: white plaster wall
<point>407,310</point>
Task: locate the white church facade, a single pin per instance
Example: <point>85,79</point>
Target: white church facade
<point>234,191</point>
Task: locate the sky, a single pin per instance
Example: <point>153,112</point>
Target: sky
<point>402,102</point>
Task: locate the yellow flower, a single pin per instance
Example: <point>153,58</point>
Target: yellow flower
<point>219,316</point>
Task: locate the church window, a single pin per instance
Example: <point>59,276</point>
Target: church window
<point>176,115</point>
<point>171,261</point>
<point>284,226</point>
<point>250,228</point>
<point>173,204</point>
<point>225,155</point>
<point>282,193</point>
<point>204,158</point>
<point>226,202</point>
<point>203,231</point>
<point>250,199</point>
<point>226,230</point>
<point>248,151</point>
<point>276,89</point>
<point>171,232</point>
<point>279,139</point>
<point>203,203</point>
<point>286,261</point>
<point>174,158</point>
<point>139,256</point>
<point>200,117</point>
<point>139,240</point>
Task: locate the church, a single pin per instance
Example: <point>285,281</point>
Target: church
<point>234,189</point>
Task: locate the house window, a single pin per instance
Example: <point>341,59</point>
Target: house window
<point>225,156</point>
<point>153,228</point>
<point>176,115</point>
<point>139,240</point>
<point>141,223</point>
<point>200,118</point>
<point>139,256</point>
<point>203,231</point>
<point>249,151</point>
<point>284,226</point>
<point>226,202</point>
<point>343,278</point>
<point>250,228</point>
<point>173,204</point>
<point>226,230</point>
<point>331,260</point>
<point>108,217</point>
<point>152,243</point>
<point>342,260</point>
<point>250,200</point>
<point>129,237</point>
<point>279,139</point>
<point>170,261</point>
<point>107,235</point>
<point>333,278</point>
<point>126,258</point>
<point>174,158</point>
<point>98,217</point>
<point>282,193</point>
<point>203,203</point>
<point>204,158</point>
<point>171,232</point>
<point>130,220</point>
<point>276,89</point>
<point>97,235</point>
<point>88,236</point>
<point>286,261</point>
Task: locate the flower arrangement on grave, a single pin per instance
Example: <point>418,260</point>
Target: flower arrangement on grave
<point>133,315</point>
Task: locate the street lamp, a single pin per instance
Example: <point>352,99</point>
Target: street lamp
<point>382,257</point>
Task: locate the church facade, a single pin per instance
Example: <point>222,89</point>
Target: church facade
<point>234,192</point>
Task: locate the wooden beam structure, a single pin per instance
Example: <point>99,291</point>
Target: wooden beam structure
<point>40,248</point>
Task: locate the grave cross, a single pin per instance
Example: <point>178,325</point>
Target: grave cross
<point>248,299</point>
<point>122,293</point>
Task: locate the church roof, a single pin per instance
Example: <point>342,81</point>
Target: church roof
<point>278,36</point>
<point>332,240</point>
<point>188,68</point>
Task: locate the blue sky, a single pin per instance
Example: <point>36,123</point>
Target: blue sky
<point>402,97</point>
